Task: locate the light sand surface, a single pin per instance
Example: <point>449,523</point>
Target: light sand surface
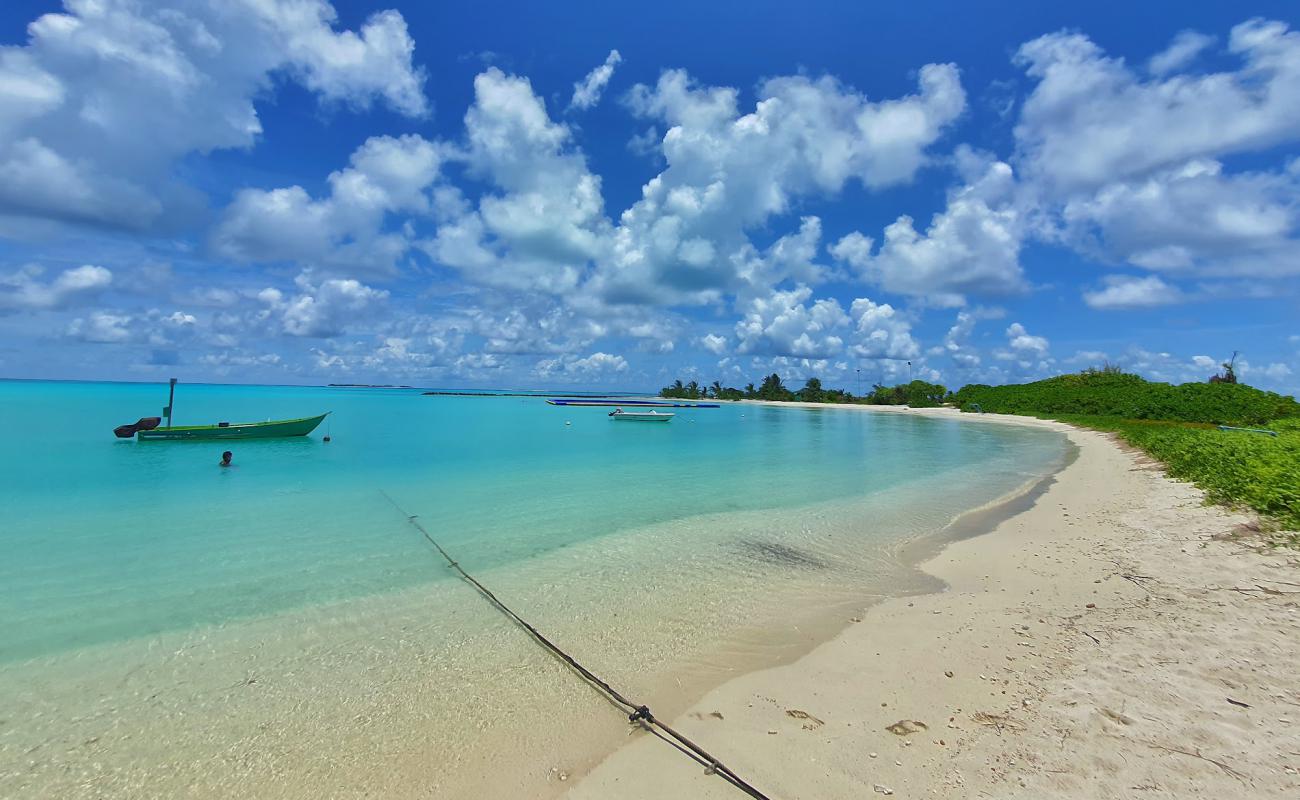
<point>1119,639</point>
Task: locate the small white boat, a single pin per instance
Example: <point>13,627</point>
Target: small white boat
<point>640,416</point>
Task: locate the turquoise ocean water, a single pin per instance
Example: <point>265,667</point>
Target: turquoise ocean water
<point>110,546</point>
<point>108,539</point>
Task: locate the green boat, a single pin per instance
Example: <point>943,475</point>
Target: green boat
<point>235,430</point>
<point>150,429</point>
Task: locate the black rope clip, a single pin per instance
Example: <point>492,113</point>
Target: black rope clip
<point>641,713</point>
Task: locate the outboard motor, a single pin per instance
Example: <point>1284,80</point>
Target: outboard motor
<point>142,424</point>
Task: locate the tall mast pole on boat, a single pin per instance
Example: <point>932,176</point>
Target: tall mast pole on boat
<point>171,396</point>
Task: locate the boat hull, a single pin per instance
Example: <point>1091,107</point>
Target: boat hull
<point>642,416</point>
<point>273,429</point>
<point>628,403</point>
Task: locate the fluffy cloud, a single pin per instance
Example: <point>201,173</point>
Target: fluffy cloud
<point>1124,167</point>
<point>1185,47</point>
<point>545,223</point>
<point>1021,342</point>
<point>587,92</point>
<point>1025,357</point>
<point>345,229</point>
<point>1193,218</point>
<point>956,342</point>
<point>102,327</point>
<point>326,308</point>
<point>784,324</point>
<point>790,258</point>
<point>346,66</point>
<point>1126,292</point>
<point>534,328</point>
<point>1092,120</point>
<point>727,173</point>
<point>973,246</point>
<point>104,98</point>
<point>225,360</point>
<point>881,331</point>
<point>153,327</point>
<point>593,366</point>
<point>24,290</point>
<point>714,343</point>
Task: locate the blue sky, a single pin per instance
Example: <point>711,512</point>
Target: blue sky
<point>531,195</point>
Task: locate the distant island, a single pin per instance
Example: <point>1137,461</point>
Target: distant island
<point>915,393</point>
<point>366,386</point>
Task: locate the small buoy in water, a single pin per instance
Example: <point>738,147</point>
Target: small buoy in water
<point>325,438</point>
<point>566,422</point>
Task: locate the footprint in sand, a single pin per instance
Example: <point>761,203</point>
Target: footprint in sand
<point>811,724</point>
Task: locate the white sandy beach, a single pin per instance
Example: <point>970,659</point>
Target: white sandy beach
<point>1117,639</point>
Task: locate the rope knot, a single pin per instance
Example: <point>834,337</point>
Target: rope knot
<point>641,713</point>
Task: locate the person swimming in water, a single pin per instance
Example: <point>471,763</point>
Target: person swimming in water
<point>226,457</point>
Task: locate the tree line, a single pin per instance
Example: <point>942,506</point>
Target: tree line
<point>916,393</point>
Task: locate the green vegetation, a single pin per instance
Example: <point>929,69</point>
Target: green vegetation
<point>1234,468</point>
<point>916,393</point>
<point>1178,426</point>
<point>1107,393</point>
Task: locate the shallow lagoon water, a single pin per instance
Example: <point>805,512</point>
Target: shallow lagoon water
<point>142,570</point>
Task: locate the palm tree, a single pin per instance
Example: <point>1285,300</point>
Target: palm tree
<point>812,391</point>
<point>772,388</point>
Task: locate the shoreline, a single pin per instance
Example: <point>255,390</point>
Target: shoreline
<point>1086,646</point>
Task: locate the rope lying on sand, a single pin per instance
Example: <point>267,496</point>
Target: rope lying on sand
<point>637,711</point>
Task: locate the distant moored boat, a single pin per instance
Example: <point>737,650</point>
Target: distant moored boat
<point>639,416</point>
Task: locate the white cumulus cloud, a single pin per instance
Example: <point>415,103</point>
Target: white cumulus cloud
<point>785,324</point>
<point>346,228</point>
<point>105,97</point>
<point>587,92</point>
<point>1127,292</point>
<point>327,308</point>
<point>714,343</point>
<point>1185,47</point>
<point>972,246</point>
<point>1020,341</point>
<point>1092,120</point>
<point>544,220</point>
<point>728,172</point>
<point>592,366</point>
<point>25,291</point>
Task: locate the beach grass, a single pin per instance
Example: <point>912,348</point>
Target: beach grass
<point>1178,425</point>
<point>1234,468</point>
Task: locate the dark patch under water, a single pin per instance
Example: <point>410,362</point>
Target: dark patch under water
<point>782,554</point>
